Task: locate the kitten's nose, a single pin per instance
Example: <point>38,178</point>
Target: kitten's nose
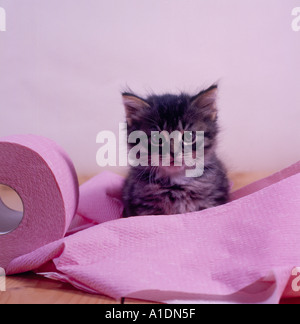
<point>175,154</point>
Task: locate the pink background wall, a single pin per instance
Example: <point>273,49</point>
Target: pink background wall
<point>63,64</point>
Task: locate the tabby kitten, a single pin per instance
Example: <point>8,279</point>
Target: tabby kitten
<point>165,190</point>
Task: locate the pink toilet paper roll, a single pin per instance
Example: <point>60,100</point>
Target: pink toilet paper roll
<point>45,179</point>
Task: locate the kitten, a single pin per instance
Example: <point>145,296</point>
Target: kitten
<point>165,190</point>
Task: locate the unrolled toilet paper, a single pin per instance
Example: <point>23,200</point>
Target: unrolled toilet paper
<point>240,252</point>
<point>45,179</point>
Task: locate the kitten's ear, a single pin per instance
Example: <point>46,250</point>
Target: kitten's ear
<point>205,101</point>
<point>133,107</point>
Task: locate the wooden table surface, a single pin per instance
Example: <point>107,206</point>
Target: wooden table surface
<point>29,288</point>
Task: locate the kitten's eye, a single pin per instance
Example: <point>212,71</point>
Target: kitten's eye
<point>157,139</point>
<point>189,138</point>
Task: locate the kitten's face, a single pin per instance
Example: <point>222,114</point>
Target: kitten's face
<point>180,115</point>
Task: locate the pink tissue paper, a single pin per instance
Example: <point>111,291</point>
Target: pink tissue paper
<point>241,252</point>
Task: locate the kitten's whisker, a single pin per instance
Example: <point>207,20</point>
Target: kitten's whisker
<point>141,174</point>
<point>152,179</point>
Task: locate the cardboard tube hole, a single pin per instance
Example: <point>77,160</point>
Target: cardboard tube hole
<point>11,209</point>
